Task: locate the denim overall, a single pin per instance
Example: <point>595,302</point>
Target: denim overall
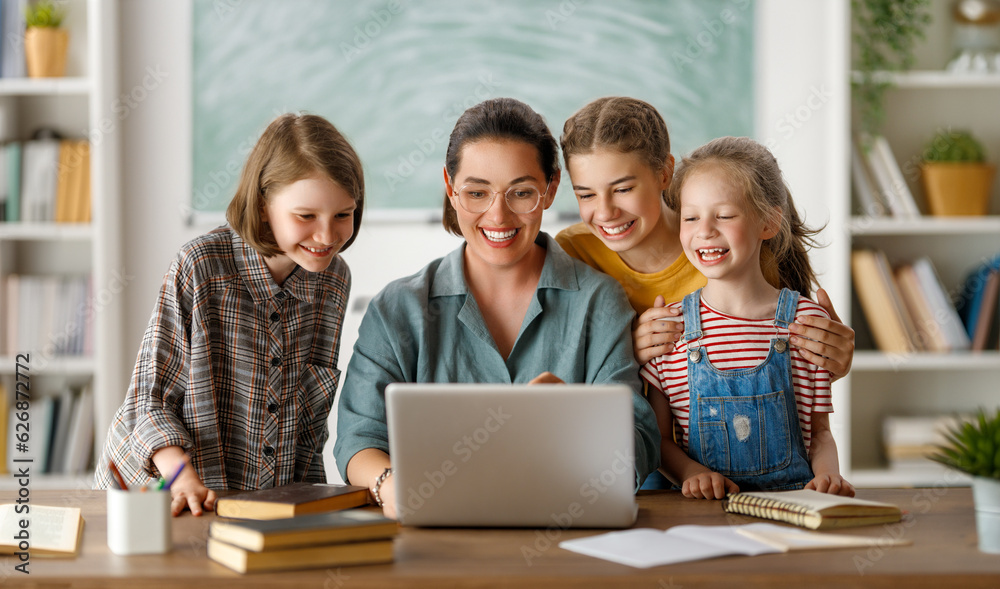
<point>744,423</point>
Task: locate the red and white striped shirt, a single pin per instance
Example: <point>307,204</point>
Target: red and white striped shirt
<point>733,343</point>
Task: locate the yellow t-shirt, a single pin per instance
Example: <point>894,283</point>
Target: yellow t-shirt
<point>673,282</point>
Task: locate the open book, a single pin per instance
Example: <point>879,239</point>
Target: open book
<point>48,531</point>
<point>645,547</point>
<point>812,509</point>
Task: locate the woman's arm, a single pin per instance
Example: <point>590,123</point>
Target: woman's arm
<point>365,468</point>
<point>697,481</point>
<point>827,343</point>
<point>823,456</point>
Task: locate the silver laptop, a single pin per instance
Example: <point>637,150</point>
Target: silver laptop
<point>512,455</point>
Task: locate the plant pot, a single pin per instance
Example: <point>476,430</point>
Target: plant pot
<point>45,51</point>
<point>954,188</point>
<point>986,496</point>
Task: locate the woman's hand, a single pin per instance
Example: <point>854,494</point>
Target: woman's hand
<point>708,485</point>
<point>827,343</point>
<point>546,378</point>
<point>655,331</point>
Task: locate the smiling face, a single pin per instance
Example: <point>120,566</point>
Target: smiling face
<point>310,219</point>
<point>499,237</point>
<point>620,198</point>
<point>719,233</point>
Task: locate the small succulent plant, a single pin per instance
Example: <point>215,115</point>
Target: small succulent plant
<point>954,146</point>
<point>973,446</point>
<point>43,14</point>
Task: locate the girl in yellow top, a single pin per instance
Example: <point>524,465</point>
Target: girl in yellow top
<point>617,153</point>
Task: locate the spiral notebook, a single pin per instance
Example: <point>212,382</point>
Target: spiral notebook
<point>812,509</point>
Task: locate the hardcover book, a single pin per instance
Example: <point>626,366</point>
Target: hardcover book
<point>322,528</point>
<point>328,555</point>
<point>291,500</point>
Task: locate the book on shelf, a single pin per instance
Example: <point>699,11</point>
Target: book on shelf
<point>47,312</point>
<point>80,441</point>
<point>242,560</point>
<point>291,500</point>
<point>333,527</point>
<point>888,178</point>
<point>39,167</point>
<point>5,406</point>
<point>54,531</point>
<point>971,301</point>
<point>869,197</point>
<point>881,302</point>
<point>12,24</point>
<point>908,440</point>
<point>60,435</point>
<point>986,320</point>
<point>943,309</point>
<point>811,509</point>
<point>12,156</point>
<point>646,547</point>
<point>929,330</point>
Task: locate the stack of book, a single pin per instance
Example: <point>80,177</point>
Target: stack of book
<point>909,440</point>
<point>907,309</point>
<point>339,538</point>
<point>299,525</point>
<point>45,180</point>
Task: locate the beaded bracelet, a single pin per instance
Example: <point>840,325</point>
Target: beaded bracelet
<point>378,484</point>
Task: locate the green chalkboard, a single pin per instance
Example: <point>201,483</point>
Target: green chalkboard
<point>394,75</point>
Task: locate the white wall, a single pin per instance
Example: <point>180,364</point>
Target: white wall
<point>797,56</point>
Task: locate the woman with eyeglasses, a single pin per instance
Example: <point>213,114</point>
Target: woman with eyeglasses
<point>508,306</point>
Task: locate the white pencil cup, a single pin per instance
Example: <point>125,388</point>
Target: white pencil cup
<point>139,522</point>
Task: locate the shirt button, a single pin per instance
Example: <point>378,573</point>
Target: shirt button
<point>272,407</point>
<point>268,451</point>
<point>280,296</point>
<point>275,316</point>
<point>276,361</point>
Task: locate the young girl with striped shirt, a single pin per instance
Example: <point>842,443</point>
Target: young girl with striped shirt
<point>747,409</point>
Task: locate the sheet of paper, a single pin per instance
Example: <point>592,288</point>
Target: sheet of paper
<point>646,547</point>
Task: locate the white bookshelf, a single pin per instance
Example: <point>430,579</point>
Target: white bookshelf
<point>78,106</point>
<point>923,101</point>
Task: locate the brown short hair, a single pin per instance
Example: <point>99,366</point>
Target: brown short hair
<point>291,148</point>
<point>619,123</point>
<point>502,119</point>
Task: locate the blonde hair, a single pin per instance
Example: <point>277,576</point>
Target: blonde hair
<point>753,171</point>
<point>626,125</point>
<point>292,147</point>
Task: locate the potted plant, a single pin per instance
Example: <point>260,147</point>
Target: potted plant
<point>45,42</point>
<point>973,447</point>
<point>884,34</point>
<point>957,180</point>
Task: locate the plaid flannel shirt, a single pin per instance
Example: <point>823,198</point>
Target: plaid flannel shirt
<point>237,370</point>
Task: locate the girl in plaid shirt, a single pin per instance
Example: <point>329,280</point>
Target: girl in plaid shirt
<point>238,366</point>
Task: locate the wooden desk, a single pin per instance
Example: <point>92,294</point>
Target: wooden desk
<point>941,525</point>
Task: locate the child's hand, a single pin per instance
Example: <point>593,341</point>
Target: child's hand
<point>188,492</point>
<point>708,485</point>
<point>833,484</point>
<point>656,331</point>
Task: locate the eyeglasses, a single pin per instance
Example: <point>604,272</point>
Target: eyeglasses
<point>521,198</point>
